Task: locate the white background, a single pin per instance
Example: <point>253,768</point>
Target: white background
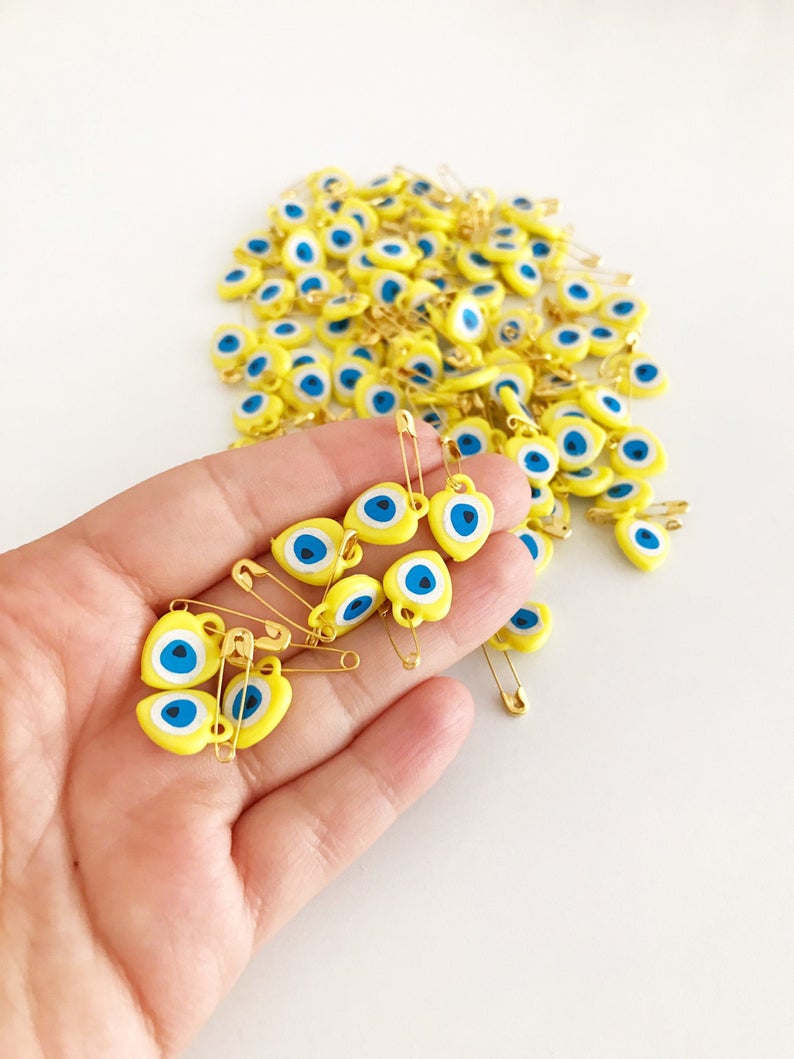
<point>612,876</point>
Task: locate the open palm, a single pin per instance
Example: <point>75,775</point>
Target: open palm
<point>136,884</point>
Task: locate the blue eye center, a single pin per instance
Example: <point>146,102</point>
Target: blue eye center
<point>384,401</point>
<point>178,657</point>
<point>341,238</point>
<point>252,403</point>
<point>464,519</point>
<point>304,252</point>
<point>470,319</point>
<point>180,713</point>
<point>389,290</point>
<point>349,377</point>
<point>482,288</point>
<point>617,492</point>
<point>528,271</point>
<point>313,385</point>
<point>312,283</point>
<point>380,508</point>
<point>356,607</point>
<point>541,249</point>
<point>637,450</point>
<point>235,275</point>
<point>257,246</point>
<point>253,700</point>
<point>536,461</point>
<point>622,308</point>
<point>578,291</point>
<point>229,344</point>
<point>524,619</point>
<point>567,338</point>
<point>469,444</point>
<point>257,366</point>
<point>575,443</point>
<point>602,332</point>
<point>310,549</point>
<point>292,209</point>
<point>612,403</point>
<point>269,292</point>
<point>338,327</point>
<point>646,372</point>
<point>420,580</point>
<point>531,543</point>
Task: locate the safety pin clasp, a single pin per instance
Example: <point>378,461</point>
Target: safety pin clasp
<point>409,661</point>
<point>515,702</point>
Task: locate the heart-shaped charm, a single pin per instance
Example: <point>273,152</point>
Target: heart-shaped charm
<point>460,518</point>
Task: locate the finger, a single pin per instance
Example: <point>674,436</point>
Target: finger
<point>497,477</point>
<point>294,842</point>
<point>179,532</point>
<point>328,710</point>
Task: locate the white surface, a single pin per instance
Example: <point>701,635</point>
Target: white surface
<point>612,876</point>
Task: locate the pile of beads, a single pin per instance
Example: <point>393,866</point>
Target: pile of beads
<point>482,316</point>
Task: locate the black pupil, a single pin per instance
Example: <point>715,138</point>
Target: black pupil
<point>173,712</point>
<point>521,622</point>
<point>180,651</point>
<point>306,554</point>
<point>468,517</point>
<point>250,703</point>
<point>570,446</point>
<point>358,604</point>
<point>383,505</point>
<point>425,582</point>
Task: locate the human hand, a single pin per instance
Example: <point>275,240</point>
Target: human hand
<point>136,884</point>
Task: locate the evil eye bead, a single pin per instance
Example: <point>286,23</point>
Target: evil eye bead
<point>383,184</point>
<point>460,518</point>
<point>539,545</point>
<point>181,722</point>
<point>626,495</point>
<point>579,441</point>
<point>474,265</point>
<point>490,294</point>
<point>330,181</point>
<point>589,481</point>
<point>577,295</point>
<point>180,652</point>
<point>290,213</point>
<point>623,311</point>
<point>566,342</point>
<point>386,514</point>
<point>373,398</point>
<point>557,410</point>
<point>465,321</point>
<point>259,248</point>
<point>543,501</point>
<point>262,698</point>
<point>273,298</point>
<point>267,366</point>
<point>605,407</point>
<point>359,211</point>
<point>644,543</point>
<point>386,286</point>
<point>551,383</point>
<point>313,286</point>
<point>520,210</point>
<point>420,363</point>
<point>389,207</point>
<point>230,346</point>
<point>309,550</point>
<point>605,341</point>
<point>642,377</point>
<point>432,245</point>
<point>334,332</point>
<point>302,250</point>
<point>639,453</point>
<point>419,588</point>
<point>517,377</point>
<point>373,355</point>
<point>547,253</point>
<point>538,457</point>
<point>523,276</point>
<point>342,238</point>
<point>360,268</point>
<point>239,281</point>
<point>348,604</point>
<point>345,305</point>
<point>527,630</point>
<point>512,329</point>
<point>290,334</point>
<point>344,376</point>
<point>393,252</point>
<point>472,436</point>
<point>500,249</point>
<point>257,414</point>
<point>308,386</point>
